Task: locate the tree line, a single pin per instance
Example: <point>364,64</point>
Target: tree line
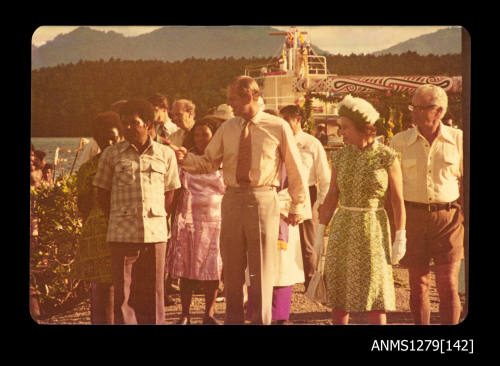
<point>65,98</point>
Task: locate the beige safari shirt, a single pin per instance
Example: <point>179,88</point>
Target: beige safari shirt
<point>138,183</point>
<point>272,143</point>
<point>431,173</point>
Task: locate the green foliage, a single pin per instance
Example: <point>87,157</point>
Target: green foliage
<point>65,98</point>
<point>52,255</point>
<point>390,125</point>
<point>307,116</point>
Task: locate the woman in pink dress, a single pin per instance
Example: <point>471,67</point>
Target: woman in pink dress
<point>194,252</point>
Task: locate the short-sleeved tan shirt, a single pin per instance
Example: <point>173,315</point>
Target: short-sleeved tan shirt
<point>137,183</point>
<point>431,173</point>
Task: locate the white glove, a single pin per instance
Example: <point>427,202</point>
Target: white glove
<point>399,246</point>
<point>319,239</point>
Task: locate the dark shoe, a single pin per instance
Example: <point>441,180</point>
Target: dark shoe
<point>184,321</point>
<point>210,320</point>
<point>169,301</point>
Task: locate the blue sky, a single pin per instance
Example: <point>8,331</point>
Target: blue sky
<point>335,39</point>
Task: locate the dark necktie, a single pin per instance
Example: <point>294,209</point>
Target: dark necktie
<point>244,156</point>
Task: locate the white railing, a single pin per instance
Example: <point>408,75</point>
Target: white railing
<point>316,64</point>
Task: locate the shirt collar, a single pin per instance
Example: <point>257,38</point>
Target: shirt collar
<point>413,135</point>
<point>443,132</point>
<point>254,119</point>
<point>126,145</point>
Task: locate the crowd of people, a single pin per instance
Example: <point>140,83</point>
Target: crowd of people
<point>231,204</point>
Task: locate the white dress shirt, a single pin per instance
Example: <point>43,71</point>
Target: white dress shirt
<point>272,143</point>
<point>315,163</point>
<point>169,127</point>
<point>89,151</point>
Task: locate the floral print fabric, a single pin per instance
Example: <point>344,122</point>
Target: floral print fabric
<point>358,273</point>
<point>93,258</point>
<point>194,249</point>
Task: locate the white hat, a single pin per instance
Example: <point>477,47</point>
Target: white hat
<point>358,109</point>
<point>224,111</point>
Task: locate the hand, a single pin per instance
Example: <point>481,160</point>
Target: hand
<point>399,246</point>
<point>294,219</point>
<point>315,211</point>
<point>180,152</point>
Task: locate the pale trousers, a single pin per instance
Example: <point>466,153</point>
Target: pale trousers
<point>249,235</point>
<point>138,271</point>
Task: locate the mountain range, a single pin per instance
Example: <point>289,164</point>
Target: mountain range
<point>176,43</point>
<point>441,42</point>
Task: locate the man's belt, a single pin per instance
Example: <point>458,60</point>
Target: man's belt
<point>433,206</point>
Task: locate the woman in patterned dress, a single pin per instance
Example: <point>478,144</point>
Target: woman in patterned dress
<point>193,255</point>
<point>93,258</point>
<point>358,272</point>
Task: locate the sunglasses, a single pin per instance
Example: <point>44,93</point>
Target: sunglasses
<point>412,107</point>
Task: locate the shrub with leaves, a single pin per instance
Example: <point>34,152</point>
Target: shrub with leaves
<point>391,125</point>
<point>53,253</point>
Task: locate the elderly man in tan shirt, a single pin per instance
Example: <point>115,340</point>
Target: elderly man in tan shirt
<point>432,165</point>
<point>251,148</point>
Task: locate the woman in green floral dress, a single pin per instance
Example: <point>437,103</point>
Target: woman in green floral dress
<point>93,258</point>
<point>358,272</point>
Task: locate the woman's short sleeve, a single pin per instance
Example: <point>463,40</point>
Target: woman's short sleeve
<point>387,157</point>
<point>336,157</point>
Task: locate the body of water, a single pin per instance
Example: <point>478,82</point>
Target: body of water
<point>50,144</point>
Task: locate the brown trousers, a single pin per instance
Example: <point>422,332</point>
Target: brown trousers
<point>138,271</point>
<point>249,235</point>
<point>307,230</point>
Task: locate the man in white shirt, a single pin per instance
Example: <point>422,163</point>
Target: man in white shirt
<point>317,174</point>
<point>432,165</point>
<point>164,127</point>
<point>252,148</point>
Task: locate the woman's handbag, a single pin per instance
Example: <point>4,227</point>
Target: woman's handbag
<point>317,290</point>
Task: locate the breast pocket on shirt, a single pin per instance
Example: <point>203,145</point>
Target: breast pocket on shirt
<point>157,172</point>
<point>451,160</point>
<point>124,172</point>
<point>409,167</point>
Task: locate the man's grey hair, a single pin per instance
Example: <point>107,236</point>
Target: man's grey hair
<point>188,105</point>
<point>438,96</point>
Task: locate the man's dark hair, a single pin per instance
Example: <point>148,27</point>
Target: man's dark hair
<point>291,111</point>
<point>158,100</point>
<point>106,121</point>
<point>141,107</point>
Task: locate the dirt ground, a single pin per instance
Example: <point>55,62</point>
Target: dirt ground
<point>303,310</point>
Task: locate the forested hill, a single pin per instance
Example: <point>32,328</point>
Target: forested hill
<point>169,43</point>
<point>65,98</point>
